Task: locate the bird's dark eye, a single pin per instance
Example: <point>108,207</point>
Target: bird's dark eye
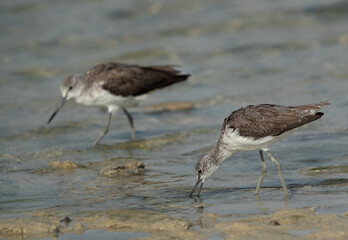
<point>199,171</point>
<point>71,87</point>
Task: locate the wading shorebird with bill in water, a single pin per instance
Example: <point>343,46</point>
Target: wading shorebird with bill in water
<point>115,86</point>
<point>256,127</point>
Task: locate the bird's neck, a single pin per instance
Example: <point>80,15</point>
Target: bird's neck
<point>221,151</point>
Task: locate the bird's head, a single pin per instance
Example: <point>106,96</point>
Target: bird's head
<point>205,167</point>
<point>70,88</point>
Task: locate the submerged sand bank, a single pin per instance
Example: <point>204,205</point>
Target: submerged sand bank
<point>51,224</point>
<point>284,224</point>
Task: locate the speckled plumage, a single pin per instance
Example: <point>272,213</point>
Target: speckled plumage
<point>132,80</point>
<point>264,120</point>
<point>117,85</point>
<point>256,127</point>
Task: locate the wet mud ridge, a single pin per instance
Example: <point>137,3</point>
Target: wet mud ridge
<point>285,224</point>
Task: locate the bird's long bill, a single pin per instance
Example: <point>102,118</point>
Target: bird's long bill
<point>55,112</point>
<point>199,181</point>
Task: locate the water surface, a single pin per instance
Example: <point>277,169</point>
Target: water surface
<point>238,52</point>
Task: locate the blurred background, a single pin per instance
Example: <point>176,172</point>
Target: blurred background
<point>238,52</point>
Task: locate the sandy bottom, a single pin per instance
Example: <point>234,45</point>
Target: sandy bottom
<point>284,224</point>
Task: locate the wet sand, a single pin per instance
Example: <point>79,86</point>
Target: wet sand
<point>285,224</point>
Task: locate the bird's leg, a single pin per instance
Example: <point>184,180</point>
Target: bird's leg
<point>286,192</point>
<point>130,119</point>
<point>263,173</point>
<point>105,131</point>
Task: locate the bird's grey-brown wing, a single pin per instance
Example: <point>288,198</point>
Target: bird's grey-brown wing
<point>313,107</point>
<point>263,120</point>
<point>133,80</point>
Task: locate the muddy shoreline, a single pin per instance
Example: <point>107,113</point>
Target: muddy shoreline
<point>298,223</point>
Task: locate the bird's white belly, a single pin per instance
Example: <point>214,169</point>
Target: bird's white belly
<point>233,142</point>
<point>102,97</point>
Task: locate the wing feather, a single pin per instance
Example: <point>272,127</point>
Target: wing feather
<point>264,120</point>
<point>133,80</point>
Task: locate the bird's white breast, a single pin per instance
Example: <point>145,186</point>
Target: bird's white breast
<point>234,142</point>
<point>97,96</point>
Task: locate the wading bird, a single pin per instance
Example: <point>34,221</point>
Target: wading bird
<point>115,86</point>
<point>255,127</point>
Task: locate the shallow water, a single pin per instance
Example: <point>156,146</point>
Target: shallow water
<point>238,52</point>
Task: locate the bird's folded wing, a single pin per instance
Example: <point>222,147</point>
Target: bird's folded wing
<point>132,80</point>
<point>264,120</point>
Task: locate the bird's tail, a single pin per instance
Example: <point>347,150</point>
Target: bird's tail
<point>314,107</point>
